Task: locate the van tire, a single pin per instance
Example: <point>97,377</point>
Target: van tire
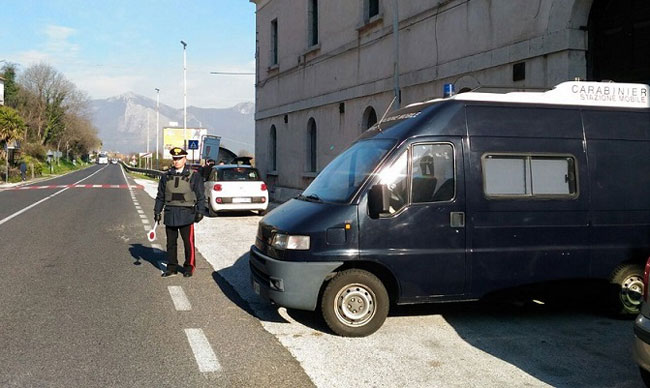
<point>626,285</point>
<point>355,303</point>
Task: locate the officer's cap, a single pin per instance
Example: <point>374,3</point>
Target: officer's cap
<point>177,152</point>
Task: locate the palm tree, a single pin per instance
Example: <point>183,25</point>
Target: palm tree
<point>12,126</point>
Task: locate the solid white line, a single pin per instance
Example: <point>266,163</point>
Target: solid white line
<point>181,303</point>
<point>203,353</point>
<point>45,199</point>
<point>126,180</point>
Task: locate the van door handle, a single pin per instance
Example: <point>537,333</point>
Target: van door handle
<point>457,219</point>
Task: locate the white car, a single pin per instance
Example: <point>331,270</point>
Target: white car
<point>236,187</point>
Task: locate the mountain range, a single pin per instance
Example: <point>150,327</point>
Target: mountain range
<point>122,123</point>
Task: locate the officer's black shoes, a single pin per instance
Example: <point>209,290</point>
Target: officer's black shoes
<point>187,274</point>
<point>169,274</point>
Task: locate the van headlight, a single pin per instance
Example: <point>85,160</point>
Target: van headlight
<point>287,241</point>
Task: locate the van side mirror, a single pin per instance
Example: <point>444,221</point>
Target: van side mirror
<point>378,200</point>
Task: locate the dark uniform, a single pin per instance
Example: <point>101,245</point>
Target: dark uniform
<point>181,194</point>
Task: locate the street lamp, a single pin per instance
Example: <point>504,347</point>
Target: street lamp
<point>157,127</point>
<point>184,95</point>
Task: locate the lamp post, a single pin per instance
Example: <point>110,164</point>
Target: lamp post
<point>157,127</point>
<point>184,95</point>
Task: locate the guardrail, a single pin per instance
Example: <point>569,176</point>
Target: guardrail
<point>145,171</point>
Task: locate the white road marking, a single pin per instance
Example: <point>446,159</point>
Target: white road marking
<point>142,216</point>
<point>97,186</point>
<point>181,303</point>
<point>46,198</point>
<point>203,353</point>
<point>146,222</point>
<point>147,228</point>
<point>140,210</point>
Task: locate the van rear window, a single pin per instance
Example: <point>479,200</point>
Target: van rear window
<point>529,176</point>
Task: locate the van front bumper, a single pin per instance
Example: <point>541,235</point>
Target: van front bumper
<point>289,284</point>
<point>641,353</point>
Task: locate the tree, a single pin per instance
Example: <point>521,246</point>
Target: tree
<point>11,88</point>
<point>12,125</point>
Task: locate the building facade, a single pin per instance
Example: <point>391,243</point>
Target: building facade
<point>329,69</point>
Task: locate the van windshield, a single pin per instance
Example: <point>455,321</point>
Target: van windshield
<point>343,176</point>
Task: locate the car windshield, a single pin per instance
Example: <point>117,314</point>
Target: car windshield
<point>238,174</point>
<point>345,174</point>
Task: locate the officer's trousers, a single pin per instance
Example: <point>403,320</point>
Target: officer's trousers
<point>187,233</point>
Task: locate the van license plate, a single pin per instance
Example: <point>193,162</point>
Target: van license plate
<point>256,287</point>
<point>241,200</point>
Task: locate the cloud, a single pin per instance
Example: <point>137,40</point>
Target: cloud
<point>57,40</point>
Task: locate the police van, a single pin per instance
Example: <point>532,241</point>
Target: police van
<point>451,199</point>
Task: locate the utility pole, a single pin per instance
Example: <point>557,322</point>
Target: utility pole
<point>147,135</point>
<point>157,127</point>
<point>184,95</point>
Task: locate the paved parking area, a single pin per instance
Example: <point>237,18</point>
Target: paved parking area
<point>471,344</point>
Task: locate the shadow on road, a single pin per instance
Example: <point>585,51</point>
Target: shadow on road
<point>153,256</point>
<point>562,339</point>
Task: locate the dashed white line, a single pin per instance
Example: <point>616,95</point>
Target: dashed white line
<point>203,353</point>
<point>45,199</point>
<point>140,211</point>
<point>181,303</point>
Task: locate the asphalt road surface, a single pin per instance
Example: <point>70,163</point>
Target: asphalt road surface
<point>83,303</point>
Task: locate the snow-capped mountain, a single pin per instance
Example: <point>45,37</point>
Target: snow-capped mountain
<point>123,120</point>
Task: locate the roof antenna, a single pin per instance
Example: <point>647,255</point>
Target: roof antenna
<point>385,113</point>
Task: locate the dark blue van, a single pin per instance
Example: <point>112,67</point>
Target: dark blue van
<point>454,198</point>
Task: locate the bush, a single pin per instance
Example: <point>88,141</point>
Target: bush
<point>34,150</point>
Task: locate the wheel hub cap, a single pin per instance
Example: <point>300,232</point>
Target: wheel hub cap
<point>355,305</point>
<point>632,291</point>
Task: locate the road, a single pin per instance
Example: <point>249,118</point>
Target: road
<point>83,303</point>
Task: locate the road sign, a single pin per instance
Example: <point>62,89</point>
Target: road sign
<point>193,144</point>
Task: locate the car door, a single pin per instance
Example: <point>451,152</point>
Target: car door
<point>422,238</point>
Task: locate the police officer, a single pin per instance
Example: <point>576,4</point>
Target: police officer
<point>180,193</point>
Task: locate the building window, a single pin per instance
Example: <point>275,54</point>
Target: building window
<point>273,149</point>
<point>369,118</point>
<point>372,9</point>
<point>531,176</point>
<point>312,15</point>
<point>274,42</point>
<point>311,146</point>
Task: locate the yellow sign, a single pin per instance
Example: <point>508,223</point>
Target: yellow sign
<point>175,137</point>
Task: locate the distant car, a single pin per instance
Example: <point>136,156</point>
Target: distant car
<point>102,159</point>
<point>236,187</point>
<point>641,352</point>
<point>113,161</point>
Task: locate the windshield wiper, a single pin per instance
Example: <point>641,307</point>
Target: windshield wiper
<point>310,198</point>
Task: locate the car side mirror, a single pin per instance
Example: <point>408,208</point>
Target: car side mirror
<point>378,200</point>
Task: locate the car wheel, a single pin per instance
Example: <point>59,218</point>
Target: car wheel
<point>645,376</point>
<point>262,212</point>
<point>627,289</point>
<point>355,303</point>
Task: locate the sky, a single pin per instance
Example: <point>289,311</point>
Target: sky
<point>111,47</point>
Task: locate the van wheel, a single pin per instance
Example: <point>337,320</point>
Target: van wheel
<point>355,303</point>
<point>627,289</point>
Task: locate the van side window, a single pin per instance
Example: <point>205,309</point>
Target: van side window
<point>532,176</point>
<point>395,178</point>
<point>433,173</point>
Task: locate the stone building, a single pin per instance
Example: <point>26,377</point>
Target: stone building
<point>329,69</point>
